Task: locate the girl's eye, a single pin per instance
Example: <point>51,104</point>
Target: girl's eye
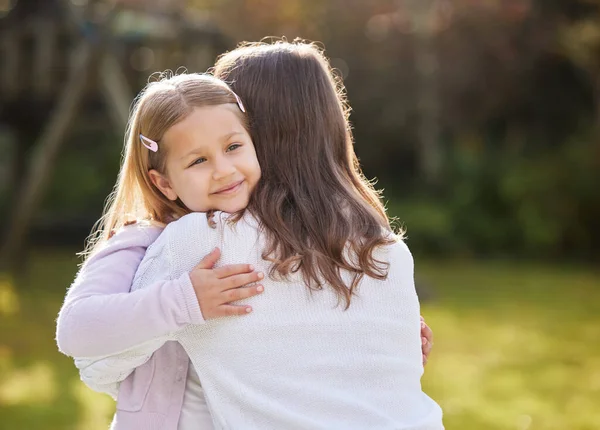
<point>233,147</point>
<point>198,161</point>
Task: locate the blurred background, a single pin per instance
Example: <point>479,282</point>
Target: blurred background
<point>479,118</point>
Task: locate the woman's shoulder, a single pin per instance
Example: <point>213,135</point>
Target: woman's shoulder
<point>212,221</point>
<point>192,236</point>
<point>193,229</point>
<point>398,250</point>
<point>192,222</point>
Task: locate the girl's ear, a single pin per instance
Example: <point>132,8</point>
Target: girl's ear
<point>163,184</point>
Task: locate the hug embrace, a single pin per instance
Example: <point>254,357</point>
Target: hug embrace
<point>245,274</point>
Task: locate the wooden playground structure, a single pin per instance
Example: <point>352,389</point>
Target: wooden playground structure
<point>62,58</point>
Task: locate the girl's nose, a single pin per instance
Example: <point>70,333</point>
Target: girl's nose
<point>223,168</point>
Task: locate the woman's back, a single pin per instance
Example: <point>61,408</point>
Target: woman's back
<point>299,361</point>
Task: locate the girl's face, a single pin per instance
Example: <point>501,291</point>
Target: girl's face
<point>211,162</point>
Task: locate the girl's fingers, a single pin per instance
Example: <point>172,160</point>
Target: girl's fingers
<point>426,346</point>
<point>236,281</point>
<point>210,260</point>
<point>426,331</point>
<point>235,294</point>
<point>233,310</point>
<point>232,269</point>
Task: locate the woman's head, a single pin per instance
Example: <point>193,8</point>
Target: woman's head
<point>187,149</point>
<point>312,200</point>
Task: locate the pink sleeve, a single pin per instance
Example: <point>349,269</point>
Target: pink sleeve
<point>100,316</point>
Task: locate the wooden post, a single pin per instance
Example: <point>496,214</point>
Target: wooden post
<point>596,79</point>
<point>44,36</point>
<point>46,150</point>
<point>428,99</point>
<point>10,40</point>
<point>116,91</point>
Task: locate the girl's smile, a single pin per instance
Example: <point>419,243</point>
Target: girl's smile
<point>230,189</point>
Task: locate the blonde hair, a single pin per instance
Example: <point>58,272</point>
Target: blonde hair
<point>159,106</point>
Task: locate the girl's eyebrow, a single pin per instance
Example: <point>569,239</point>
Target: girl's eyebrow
<point>200,150</point>
<point>195,151</point>
<point>230,135</point>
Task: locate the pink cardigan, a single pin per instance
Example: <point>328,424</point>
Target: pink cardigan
<point>100,317</point>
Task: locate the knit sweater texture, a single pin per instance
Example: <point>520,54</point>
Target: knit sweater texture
<point>299,361</point>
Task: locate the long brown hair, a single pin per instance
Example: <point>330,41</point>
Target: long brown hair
<point>160,105</point>
<point>319,212</point>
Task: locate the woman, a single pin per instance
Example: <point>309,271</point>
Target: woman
<point>334,341</point>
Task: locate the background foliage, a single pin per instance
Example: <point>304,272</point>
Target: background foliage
<point>479,118</point>
<point>514,91</point>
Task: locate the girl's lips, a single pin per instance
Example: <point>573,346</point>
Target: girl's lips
<point>229,189</point>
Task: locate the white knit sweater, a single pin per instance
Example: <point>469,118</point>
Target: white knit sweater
<point>298,361</point>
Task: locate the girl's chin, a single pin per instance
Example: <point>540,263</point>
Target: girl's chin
<point>234,207</point>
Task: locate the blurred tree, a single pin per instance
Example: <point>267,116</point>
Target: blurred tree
<point>32,179</point>
<point>579,39</point>
<point>495,98</point>
<point>108,36</point>
<point>422,18</point>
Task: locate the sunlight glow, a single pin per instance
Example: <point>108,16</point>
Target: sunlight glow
<point>94,409</point>
<point>6,6</point>
<point>35,384</point>
<point>9,301</point>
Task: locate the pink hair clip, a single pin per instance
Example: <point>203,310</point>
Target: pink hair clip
<point>239,102</point>
<point>149,143</point>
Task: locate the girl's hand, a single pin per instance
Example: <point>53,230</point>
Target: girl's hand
<point>426,340</point>
<point>216,288</point>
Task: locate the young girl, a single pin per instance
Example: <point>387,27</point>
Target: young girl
<point>186,186</point>
<point>163,178</point>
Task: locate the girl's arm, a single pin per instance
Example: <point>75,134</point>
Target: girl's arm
<point>219,287</point>
<point>101,317</point>
<point>104,373</point>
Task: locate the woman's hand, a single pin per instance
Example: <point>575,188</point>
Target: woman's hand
<point>426,340</point>
<point>217,288</point>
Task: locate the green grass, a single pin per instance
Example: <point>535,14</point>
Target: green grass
<point>516,347</point>
<point>39,387</point>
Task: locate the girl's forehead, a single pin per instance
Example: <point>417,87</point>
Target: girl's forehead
<point>209,120</point>
<point>203,127</point>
